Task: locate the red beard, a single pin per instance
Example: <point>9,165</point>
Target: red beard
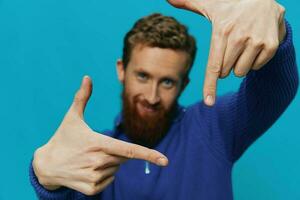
<point>145,130</point>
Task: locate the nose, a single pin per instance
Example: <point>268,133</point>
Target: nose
<point>152,95</point>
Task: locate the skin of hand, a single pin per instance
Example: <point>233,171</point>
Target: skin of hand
<point>245,36</point>
<point>79,158</point>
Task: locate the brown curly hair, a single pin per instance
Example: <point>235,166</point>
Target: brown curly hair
<point>157,30</point>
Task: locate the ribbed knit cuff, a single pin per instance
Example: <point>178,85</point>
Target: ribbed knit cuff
<point>62,193</point>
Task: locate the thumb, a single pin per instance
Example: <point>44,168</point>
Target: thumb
<point>82,96</point>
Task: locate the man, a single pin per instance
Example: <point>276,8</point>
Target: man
<point>200,143</point>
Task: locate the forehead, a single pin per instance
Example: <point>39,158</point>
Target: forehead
<point>160,61</point>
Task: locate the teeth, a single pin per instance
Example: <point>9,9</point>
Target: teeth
<point>148,108</point>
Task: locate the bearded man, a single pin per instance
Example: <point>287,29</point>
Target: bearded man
<point>200,143</point>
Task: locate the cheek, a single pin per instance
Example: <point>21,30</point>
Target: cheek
<point>168,99</point>
<point>132,90</point>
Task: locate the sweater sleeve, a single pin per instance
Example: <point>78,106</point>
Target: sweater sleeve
<point>263,96</point>
<point>62,193</point>
<point>239,118</point>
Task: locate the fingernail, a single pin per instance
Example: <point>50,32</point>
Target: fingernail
<point>162,161</point>
<point>209,100</point>
<point>85,77</point>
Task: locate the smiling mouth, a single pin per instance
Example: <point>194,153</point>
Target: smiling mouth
<point>146,109</point>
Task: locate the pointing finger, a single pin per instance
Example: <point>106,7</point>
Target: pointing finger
<point>214,66</point>
<point>120,148</point>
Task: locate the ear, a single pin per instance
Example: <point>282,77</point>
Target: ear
<point>120,71</point>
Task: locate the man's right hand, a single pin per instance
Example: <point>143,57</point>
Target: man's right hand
<point>81,159</point>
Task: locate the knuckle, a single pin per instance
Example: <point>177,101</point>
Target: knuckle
<point>129,153</point>
<point>99,163</point>
<point>225,31</point>
<point>150,155</point>
<point>95,161</point>
<point>107,161</point>
<point>272,47</point>
<point>239,40</point>
<point>99,177</point>
<point>214,68</point>
<point>225,28</point>
<point>93,178</point>
<point>91,161</point>
<point>209,89</point>
<point>78,96</point>
<point>257,43</point>
<point>91,190</point>
<point>239,73</point>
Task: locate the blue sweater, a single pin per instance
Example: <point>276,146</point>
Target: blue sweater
<point>203,142</point>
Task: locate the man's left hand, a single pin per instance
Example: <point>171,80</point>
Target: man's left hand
<point>245,36</point>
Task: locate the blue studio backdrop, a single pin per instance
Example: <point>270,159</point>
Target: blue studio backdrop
<point>47,46</point>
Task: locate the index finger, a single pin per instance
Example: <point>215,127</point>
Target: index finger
<point>133,151</point>
<point>214,66</point>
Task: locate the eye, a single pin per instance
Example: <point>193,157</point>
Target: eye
<point>168,83</point>
<point>142,76</point>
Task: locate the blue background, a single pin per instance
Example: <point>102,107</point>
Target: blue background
<point>47,46</point>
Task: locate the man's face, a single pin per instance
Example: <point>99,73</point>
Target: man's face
<point>153,81</point>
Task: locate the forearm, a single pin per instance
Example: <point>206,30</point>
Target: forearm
<point>265,94</point>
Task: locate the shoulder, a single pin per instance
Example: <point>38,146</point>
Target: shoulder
<point>200,109</point>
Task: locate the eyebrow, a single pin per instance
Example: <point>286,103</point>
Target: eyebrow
<point>137,71</point>
<point>174,79</point>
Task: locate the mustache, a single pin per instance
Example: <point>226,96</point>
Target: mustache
<point>146,104</point>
